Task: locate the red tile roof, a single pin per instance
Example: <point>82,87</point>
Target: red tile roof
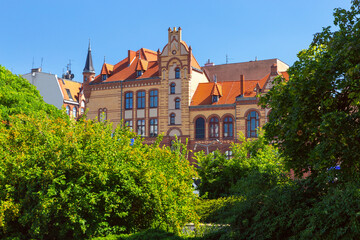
<point>229,91</point>
<point>285,75</point>
<point>143,59</point>
<point>72,86</point>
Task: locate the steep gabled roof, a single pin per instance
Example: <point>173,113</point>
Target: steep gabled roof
<point>70,89</point>
<point>143,59</point>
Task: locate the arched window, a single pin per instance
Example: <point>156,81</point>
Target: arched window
<point>172,88</point>
<point>74,112</point>
<point>177,103</point>
<point>177,73</point>
<point>128,100</point>
<point>214,127</point>
<point>172,119</point>
<point>228,127</point>
<point>82,105</point>
<point>153,98</point>
<point>200,128</point>
<point>68,110</point>
<point>141,99</point>
<point>102,114</point>
<point>252,123</point>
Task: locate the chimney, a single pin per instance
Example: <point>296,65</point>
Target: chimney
<point>242,85</point>
<point>274,70</point>
<point>35,70</point>
<point>209,63</point>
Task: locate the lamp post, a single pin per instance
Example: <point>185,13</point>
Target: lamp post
<point>216,141</point>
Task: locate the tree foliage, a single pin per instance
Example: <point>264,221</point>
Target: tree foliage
<point>17,96</point>
<point>255,165</point>
<point>61,179</point>
<point>315,115</point>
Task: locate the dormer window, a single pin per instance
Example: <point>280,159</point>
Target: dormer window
<point>104,77</point>
<point>139,73</point>
<point>215,98</point>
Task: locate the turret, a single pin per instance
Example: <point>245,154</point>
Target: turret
<point>88,73</point>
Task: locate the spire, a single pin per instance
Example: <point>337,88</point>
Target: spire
<point>89,64</point>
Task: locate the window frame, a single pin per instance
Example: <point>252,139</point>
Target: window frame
<point>177,73</point>
<point>129,100</point>
<point>154,98</point>
<point>129,123</point>
<point>198,134</point>
<point>140,100</point>
<point>214,127</point>
<point>251,132</point>
<point>172,88</point>
<point>140,127</point>
<point>227,122</point>
<point>172,119</point>
<point>153,127</point>
<point>74,112</point>
<point>177,103</point>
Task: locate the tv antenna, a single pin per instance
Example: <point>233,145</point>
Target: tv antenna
<point>227,59</point>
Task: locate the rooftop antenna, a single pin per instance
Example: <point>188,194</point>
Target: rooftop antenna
<point>41,62</point>
<point>227,59</point>
<point>33,63</point>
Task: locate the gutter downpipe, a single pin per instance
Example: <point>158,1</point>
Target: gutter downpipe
<point>121,100</point>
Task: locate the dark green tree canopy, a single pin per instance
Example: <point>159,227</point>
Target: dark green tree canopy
<point>315,117</point>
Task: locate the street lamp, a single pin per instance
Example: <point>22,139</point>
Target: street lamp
<point>216,141</point>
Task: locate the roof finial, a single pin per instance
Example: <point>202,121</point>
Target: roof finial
<point>104,59</point>
<point>89,45</point>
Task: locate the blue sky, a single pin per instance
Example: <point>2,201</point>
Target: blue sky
<point>59,31</point>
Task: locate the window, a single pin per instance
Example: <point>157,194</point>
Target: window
<point>172,119</point>
<point>228,127</point>
<point>215,98</point>
<point>69,94</point>
<point>252,123</point>
<point>153,127</point>
<point>153,98</point>
<point>172,88</point>
<point>102,114</point>
<point>86,78</point>
<point>74,112</point>
<point>68,110</point>
<point>139,73</point>
<point>129,124</point>
<point>177,73</point>
<point>141,99</point>
<point>82,111</point>
<point>177,103</point>
<point>214,127</point>
<point>128,100</point>
<point>141,127</point>
<point>228,154</point>
<point>104,77</point>
<point>200,128</point>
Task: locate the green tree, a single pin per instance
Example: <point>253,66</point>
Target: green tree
<point>61,179</point>
<point>315,115</point>
<point>17,95</point>
<point>255,165</point>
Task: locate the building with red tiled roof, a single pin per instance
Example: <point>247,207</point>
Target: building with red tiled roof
<point>60,92</point>
<point>167,92</point>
